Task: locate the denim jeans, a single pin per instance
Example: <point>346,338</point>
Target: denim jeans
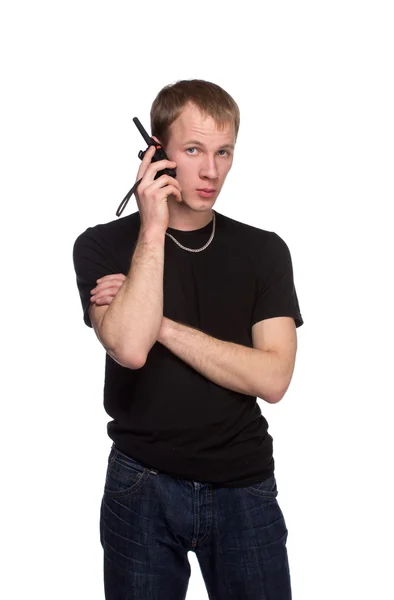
<point>149,521</point>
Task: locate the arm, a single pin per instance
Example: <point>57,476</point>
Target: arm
<point>264,372</point>
<point>129,326</point>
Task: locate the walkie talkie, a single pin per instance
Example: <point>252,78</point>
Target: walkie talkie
<point>158,155</point>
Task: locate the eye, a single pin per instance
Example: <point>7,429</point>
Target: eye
<point>223,151</point>
<point>191,149</point>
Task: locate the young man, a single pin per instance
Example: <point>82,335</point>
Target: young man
<point>197,313</point>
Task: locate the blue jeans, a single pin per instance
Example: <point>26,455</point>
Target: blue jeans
<point>149,521</point>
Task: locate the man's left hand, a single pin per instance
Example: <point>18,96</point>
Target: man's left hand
<point>106,289</point>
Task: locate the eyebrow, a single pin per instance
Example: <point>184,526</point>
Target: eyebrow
<point>202,145</point>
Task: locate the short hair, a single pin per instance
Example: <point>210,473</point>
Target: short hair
<point>211,99</point>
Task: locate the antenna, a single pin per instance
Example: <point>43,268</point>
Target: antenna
<point>144,134</point>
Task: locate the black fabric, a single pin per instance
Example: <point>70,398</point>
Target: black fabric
<point>166,415</point>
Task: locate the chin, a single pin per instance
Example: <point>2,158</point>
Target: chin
<point>200,204</point>
<point>202,207</point>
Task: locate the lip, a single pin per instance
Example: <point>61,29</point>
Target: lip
<point>205,193</point>
<point>208,190</point>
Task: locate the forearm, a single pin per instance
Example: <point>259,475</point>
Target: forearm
<point>133,319</point>
<point>233,366</point>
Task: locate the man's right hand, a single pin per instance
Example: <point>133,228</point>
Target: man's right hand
<point>152,193</point>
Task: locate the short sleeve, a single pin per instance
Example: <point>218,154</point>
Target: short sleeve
<point>276,295</point>
<point>91,261</point>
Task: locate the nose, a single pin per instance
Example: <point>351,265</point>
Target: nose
<point>208,168</point>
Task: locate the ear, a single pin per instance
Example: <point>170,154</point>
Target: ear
<point>155,138</point>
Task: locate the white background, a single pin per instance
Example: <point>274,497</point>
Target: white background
<point>313,162</point>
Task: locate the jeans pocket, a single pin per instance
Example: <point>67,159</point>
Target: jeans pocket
<point>267,488</point>
<point>124,475</point>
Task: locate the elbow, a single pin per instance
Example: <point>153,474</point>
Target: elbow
<point>129,357</point>
<point>276,394</point>
<point>274,398</point>
<point>133,362</point>
<point>134,358</point>
<point>138,363</point>
<point>276,386</point>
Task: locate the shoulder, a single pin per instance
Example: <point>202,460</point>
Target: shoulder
<point>107,235</point>
<point>123,226</point>
<point>260,239</point>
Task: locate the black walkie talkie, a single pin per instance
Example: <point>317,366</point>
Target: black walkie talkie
<point>158,155</point>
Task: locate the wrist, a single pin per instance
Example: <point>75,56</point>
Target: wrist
<point>165,330</point>
<point>152,235</point>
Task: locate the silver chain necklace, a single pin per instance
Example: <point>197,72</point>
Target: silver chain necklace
<point>196,249</point>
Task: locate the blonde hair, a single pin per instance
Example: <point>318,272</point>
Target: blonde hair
<point>211,99</point>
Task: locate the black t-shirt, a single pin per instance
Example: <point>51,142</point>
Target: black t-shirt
<point>166,415</point>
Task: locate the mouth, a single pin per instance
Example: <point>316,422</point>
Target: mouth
<point>206,192</point>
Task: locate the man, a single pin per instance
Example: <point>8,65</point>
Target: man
<point>198,315</point>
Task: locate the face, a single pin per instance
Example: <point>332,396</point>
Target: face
<point>203,156</point>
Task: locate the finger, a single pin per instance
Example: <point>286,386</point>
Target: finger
<point>103,300</point>
<point>111,279</point>
<point>105,291</point>
<point>164,180</point>
<point>106,285</point>
<point>112,276</point>
<point>169,190</point>
<point>146,161</point>
<point>155,167</point>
